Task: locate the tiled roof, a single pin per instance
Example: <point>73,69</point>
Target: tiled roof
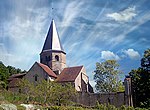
<point>47,70</point>
<point>69,74</point>
<point>20,75</point>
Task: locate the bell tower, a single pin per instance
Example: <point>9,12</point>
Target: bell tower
<point>53,54</point>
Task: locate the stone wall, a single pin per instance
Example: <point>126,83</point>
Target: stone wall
<point>90,99</point>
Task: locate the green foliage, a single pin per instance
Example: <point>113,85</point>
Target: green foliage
<point>48,93</point>
<point>12,97</point>
<point>145,61</point>
<point>100,106</point>
<point>106,77</point>
<point>3,85</point>
<point>13,70</point>
<point>141,82</point>
<point>28,89</point>
<point>4,73</point>
<point>105,107</point>
<point>19,107</point>
<point>67,108</point>
<point>123,107</point>
<point>1,108</point>
<point>62,94</point>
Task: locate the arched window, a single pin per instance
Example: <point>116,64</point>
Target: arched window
<point>57,58</point>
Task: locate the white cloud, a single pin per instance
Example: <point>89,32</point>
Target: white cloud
<point>123,16</point>
<point>70,13</point>
<point>132,53</point>
<point>108,55</point>
<point>25,34</point>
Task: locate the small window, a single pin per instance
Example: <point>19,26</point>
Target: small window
<point>57,58</point>
<point>36,77</point>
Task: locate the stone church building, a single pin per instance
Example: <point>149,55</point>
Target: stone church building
<point>52,66</point>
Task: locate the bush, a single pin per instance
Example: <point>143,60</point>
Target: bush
<point>1,108</point>
<point>19,107</point>
<point>12,97</point>
<point>123,107</point>
<point>111,107</point>
<point>65,108</point>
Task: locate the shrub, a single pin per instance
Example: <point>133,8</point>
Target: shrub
<point>111,107</point>
<point>53,108</point>
<point>19,107</point>
<point>1,108</point>
<point>100,106</point>
<point>130,108</point>
<point>123,107</point>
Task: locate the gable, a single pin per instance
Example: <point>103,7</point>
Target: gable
<point>40,71</point>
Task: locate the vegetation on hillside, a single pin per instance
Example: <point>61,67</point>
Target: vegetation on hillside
<point>106,77</point>
<point>5,72</point>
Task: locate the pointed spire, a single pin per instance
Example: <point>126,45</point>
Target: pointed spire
<point>52,41</point>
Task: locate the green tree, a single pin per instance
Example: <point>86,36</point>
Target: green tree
<point>47,92</point>
<point>106,77</point>
<point>145,61</point>
<point>4,73</point>
<point>141,82</point>
<point>27,88</point>
<point>63,94</point>
<point>44,91</point>
<point>12,70</point>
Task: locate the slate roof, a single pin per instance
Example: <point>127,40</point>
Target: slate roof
<point>52,41</point>
<point>69,74</point>
<point>47,70</point>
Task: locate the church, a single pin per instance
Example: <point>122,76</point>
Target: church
<point>52,66</point>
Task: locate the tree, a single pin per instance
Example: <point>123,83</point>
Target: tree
<point>44,91</point>
<point>106,77</point>
<point>47,92</point>
<point>12,70</point>
<point>145,61</point>
<point>141,82</point>
<point>26,88</point>
<point>4,73</point>
<point>63,93</point>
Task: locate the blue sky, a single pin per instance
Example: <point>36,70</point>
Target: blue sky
<point>90,31</point>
